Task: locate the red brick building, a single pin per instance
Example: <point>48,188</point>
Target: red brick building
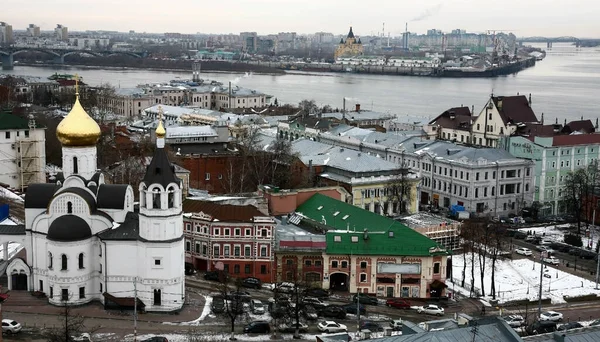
<point>283,202</point>
<point>240,238</point>
<point>211,172</point>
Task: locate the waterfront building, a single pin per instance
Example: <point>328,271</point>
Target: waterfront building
<point>238,239</point>
<point>22,151</point>
<point>6,33</point>
<point>554,157</point>
<point>86,43</point>
<point>87,241</point>
<point>346,248</point>
<point>61,33</point>
<point>350,47</point>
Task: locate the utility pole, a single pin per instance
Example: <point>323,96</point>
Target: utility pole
<point>358,310</point>
<point>542,255</point>
<point>134,309</point>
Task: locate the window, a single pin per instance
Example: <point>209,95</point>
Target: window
<point>337,238</point>
<point>197,248</point>
<point>263,269</point>
<point>363,264</point>
<point>207,176</point>
<point>63,260</point>
<point>188,246</point>
<point>226,232</point>
<point>527,171</point>
<point>100,268</point>
<point>247,269</point>
<point>7,135</point>
<point>100,250</point>
<point>100,287</point>
<point>236,269</point>
<point>344,264</point>
<point>354,238</point>
<point>157,297</point>
<point>50,260</point>
<point>477,176</point>
<point>51,292</point>
<point>81,261</point>
<point>237,232</point>
<point>317,263</point>
<point>263,251</point>
<point>494,175</point>
<point>236,250</point>
<point>216,250</point>
<point>217,231</point>
<point>247,251</point>
<point>204,249</point>
<point>363,277</point>
<point>264,233</point>
<point>226,250</point>
<point>247,232</point>
<point>157,262</point>
<point>436,268</point>
<point>64,295</point>
<point>69,207</point>
<point>82,293</point>
<point>308,263</point>
<point>75,169</point>
<point>334,264</point>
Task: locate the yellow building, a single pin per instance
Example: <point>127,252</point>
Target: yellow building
<point>350,47</point>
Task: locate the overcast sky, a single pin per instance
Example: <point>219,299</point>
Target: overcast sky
<point>578,18</point>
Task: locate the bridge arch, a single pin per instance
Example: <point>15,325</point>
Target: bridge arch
<point>83,52</point>
<point>46,51</point>
<point>126,53</point>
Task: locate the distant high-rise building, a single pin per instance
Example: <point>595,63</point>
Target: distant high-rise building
<point>434,32</point>
<point>249,41</point>
<point>6,33</point>
<point>33,30</point>
<point>459,31</point>
<point>61,32</point>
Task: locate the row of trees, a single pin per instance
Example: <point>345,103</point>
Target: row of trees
<point>579,193</point>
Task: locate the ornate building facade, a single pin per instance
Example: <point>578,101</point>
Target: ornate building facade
<point>350,47</point>
<point>86,241</point>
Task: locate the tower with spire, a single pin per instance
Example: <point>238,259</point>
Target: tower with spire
<point>349,48</point>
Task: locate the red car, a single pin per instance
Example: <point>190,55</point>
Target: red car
<point>398,303</point>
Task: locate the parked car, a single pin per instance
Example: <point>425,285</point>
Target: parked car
<point>541,327</point>
<point>594,323</point>
<point>284,287</point>
<point>310,312</point>
<point>552,316</point>
<point>352,308</point>
<point>317,293</point>
<point>333,311</point>
<point>399,303</point>
<point>515,321</point>
<point>315,302</point>
<point>257,307</point>
<point>331,327</point>
<point>366,299</point>
<point>396,324</point>
<point>369,325</point>
<point>431,309</point>
<point>10,326</point>
<point>242,295</point>
<point>291,327</point>
<point>251,282</point>
<point>523,251</point>
<point>520,235</point>
<point>530,238</point>
<point>257,327</point>
<point>569,326</point>
<point>218,305</point>
<point>545,242</point>
<point>213,275</point>
<point>551,260</point>
<point>544,249</point>
<point>156,339</point>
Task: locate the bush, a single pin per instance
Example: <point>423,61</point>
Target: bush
<point>573,240</point>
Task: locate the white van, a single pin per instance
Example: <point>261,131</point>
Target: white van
<point>257,307</point>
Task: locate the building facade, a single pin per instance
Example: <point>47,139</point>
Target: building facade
<point>6,33</point>
<point>22,151</point>
<point>350,47</point>
<point>78,231</point>
<point>236,239</point>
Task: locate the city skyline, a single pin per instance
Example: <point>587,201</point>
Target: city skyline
<point>523,18</point>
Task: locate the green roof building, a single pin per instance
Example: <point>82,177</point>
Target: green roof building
<point>371,253</point>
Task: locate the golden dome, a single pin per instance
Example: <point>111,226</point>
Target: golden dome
<point>160,130</point>
<point>78,128</point>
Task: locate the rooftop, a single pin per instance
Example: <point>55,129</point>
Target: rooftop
<point>190,132</point>
<point>454,118</point>
<point>514,109</point>
<point>221,212</point>
<point>346,225</point>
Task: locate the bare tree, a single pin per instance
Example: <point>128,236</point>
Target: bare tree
<point>233,307</point>
<point>398,190</point>
<point>308,107</point>
<point>299,285</point>
<point>71,326</point>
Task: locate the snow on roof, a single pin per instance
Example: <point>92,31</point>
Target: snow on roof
<point>190,131</point>
<point>10,195</point>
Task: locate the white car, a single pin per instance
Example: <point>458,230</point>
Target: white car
<point>545,249</point>
<point>10,326</point>
<point>291,327</point>
<point>331,327</point>
<point>552,316</point>
<point>431,309</point>
<point>551,260</point>
<point>515,321</point>
<point>523,251</point>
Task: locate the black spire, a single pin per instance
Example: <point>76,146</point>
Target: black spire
<point>160,171</point>
<point>350,34</point>
<point>342,41</point>
<point>359,42</point>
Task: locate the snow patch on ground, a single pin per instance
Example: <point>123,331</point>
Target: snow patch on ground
<point>557,232</point>
<point>220,337</point>
<point>520,279</point>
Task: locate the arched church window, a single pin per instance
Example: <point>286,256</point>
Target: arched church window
<point>63,261</point>
<point>171,197</point>
<point>75,167</point>
<point>69,207</point>
<point>50,260</point>
<point>81,260</point>
<point>156,199</point>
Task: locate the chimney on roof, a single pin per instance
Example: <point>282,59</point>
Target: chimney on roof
<point>358,107</point>
<point>582,118</point>
<point>542,118</point>
<point>557,121</point>
<point>565,122</point>
<point>530,99</point>
<point>472,109</point>
<point>452,115</point>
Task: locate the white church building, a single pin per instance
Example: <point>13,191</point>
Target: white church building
<point>84,239</point>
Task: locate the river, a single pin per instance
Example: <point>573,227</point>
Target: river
<point>565,85</point>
